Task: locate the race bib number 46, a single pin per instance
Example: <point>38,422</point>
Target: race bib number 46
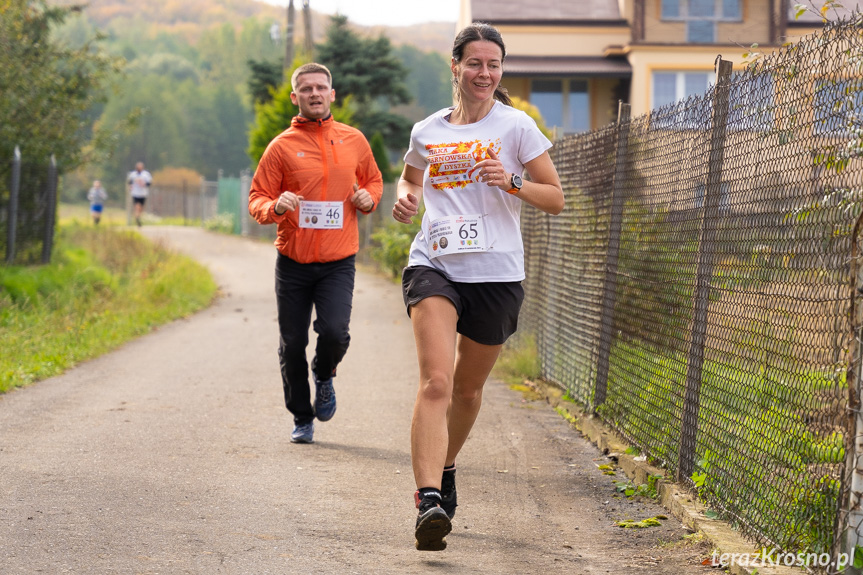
<point>456,235</point>
<point>322,215</point>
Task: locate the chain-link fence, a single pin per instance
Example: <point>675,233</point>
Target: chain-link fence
<point>221,205</point>
<point>695,292</point>
<point>28,210</point>
<point>190,201</point>
<point>224,205</point>
<point>369,224</point>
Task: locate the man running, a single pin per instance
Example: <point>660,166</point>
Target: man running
<point>312,181</point>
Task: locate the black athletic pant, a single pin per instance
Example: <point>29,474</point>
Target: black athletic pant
<point>329,288</point>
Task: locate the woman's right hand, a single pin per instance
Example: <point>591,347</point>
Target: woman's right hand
<point>405,208</point>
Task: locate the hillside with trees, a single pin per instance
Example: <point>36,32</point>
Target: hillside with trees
<point>189,18</point>
<point>185,96</point>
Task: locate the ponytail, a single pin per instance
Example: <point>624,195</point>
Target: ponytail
<point>502,96</point>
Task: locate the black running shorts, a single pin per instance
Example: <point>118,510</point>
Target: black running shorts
<point>487,312</point>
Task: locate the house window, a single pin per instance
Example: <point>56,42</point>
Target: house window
<point>671,91</point>
<point>838,105</point>
<point>724,196</point>
<point>751,104</point>
<point>670,87</point>
<point>701,16</point>
<point>564,104</point>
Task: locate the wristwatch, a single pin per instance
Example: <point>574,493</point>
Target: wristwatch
<point>515,184</point>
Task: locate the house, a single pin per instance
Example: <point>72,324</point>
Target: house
<point>575,60</point>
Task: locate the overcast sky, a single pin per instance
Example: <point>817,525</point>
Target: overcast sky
<point>384,12</point>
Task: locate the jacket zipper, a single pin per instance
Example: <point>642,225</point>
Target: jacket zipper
<point>324,184</point>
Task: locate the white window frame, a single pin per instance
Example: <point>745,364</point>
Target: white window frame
<point>839,100</point>
<point>680,84</point>
<point>681,117</point>
<point>718,16</point>
<point>753,110</point>
<point>724,196</point>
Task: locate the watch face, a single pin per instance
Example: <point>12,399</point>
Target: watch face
<point>516,181</point>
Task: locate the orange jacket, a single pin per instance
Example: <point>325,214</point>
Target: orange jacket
<point>320,160</point>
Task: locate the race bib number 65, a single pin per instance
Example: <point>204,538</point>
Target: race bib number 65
<point>456,235</point>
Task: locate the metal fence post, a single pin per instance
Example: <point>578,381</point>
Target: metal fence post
<point>185,204</point>
<point>203,201</point>
<point>245,189</point>
<point>51,211</point>
<point>14,192</point>
<point>853,480</point>
<point>704,272</point>
<point>129,203</point>
<point>609,291</point>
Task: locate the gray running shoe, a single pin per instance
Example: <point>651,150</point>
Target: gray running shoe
<point>304,433</point>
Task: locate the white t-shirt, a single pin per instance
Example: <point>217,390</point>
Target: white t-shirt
<point>139,182</point>
<point>462,213</point>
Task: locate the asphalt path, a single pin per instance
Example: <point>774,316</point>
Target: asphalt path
<point>172,455</point>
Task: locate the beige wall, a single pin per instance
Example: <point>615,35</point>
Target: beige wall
<point>603,105</point>
<point>796,34</point>
<point>465,16</point>
<point>655,30</point>
<point>627,9</point>
<point>518,87</point>
<point>561,40</point>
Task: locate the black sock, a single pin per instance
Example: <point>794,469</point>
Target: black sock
<point>449,468</point>
<point>428,497</point>
<point>429,492</point>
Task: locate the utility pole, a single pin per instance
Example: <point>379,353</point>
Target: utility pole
<point>307,21</point>
<point>289,40</point>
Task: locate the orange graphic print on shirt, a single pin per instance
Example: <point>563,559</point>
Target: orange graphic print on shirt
<point>451,165</point>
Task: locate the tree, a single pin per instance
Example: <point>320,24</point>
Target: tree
<point>379,151</point>
<point>264,78</point>
<point>158,135</point>
<point>429,79</point>
<point>47,87</point>
<point>234,118</point>
<point>534,113</point>
<point>367,71</point>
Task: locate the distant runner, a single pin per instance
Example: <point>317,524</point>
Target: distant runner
<point>97,197</point>
<point>139,181</point>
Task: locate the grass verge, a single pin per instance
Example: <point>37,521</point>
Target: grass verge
<point>103,288</point>
<point>518,361</point>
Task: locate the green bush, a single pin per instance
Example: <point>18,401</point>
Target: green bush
<point>103,288</point>
<point>223,223</point>
<point>391,244</point>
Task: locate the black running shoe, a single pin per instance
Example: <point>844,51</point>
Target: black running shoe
<point>447,491</point>
<point>433,525</point>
